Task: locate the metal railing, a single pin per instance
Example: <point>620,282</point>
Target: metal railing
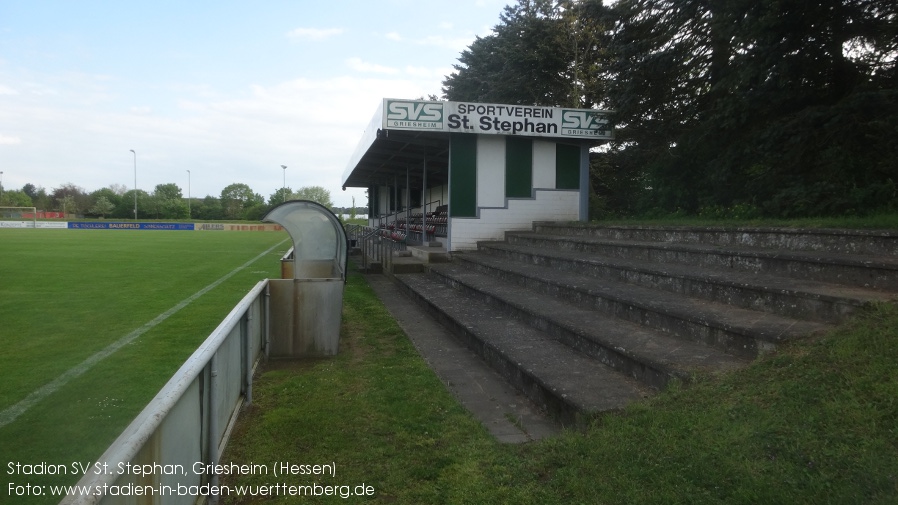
<point>377,250</point>
<point>187,425</point>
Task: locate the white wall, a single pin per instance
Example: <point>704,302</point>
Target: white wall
<point>543,164</point>
<point>490,171</point>
<point>549,205</point>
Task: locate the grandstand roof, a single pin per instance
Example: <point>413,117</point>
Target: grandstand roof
<point>404,134</point>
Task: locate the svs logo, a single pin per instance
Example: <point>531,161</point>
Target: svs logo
<point>414,115</point>
<point>579,122</point>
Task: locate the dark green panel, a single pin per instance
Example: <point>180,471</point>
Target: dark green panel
<point>463,175</point>
<point>518,167</point>
<point>567,166</point>
<point>372,201</point>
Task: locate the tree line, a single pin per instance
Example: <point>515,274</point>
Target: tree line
<point>741,108</point>
<point>236,202</point>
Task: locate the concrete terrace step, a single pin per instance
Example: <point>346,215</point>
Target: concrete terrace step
<point>841,241</point>
<point>875,272</point>
<point>652,357</point>
<point>734,330</point>
<point>799,298</point>
<point>584,319</point>
<point>569,385</point>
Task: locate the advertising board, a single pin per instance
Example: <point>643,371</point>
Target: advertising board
<point>523,120</point>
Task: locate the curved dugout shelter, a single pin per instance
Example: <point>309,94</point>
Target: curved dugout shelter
<point>462,172</point>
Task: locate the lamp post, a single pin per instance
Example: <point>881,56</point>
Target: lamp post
<point>135,183</point>
<point>284,191</point>
<point>188,194</point>
<point>1,188</point>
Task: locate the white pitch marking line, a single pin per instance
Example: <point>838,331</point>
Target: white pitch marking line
<point>12,413</point>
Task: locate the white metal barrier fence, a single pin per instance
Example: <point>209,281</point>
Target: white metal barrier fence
<point>185,428</point>
<point>376,250</point>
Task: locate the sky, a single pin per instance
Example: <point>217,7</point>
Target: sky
<point>229,90</point>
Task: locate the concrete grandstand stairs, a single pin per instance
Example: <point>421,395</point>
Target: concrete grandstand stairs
<point>585,319</point>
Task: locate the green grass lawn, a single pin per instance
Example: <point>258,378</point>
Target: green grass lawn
<point>815,422</point>
<point>67,294</point>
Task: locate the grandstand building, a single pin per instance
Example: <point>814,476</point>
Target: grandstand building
<point>458,172</point>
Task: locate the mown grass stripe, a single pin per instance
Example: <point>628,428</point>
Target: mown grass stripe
<point>12,413</point>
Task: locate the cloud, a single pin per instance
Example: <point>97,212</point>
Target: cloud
<point>361,66</point>
<point>6,140</point>
<point>456,44</point>
<point>429,72</point>
<point>452,43</point>
<point>6,90</point>
<point>314,33</point>
<point>310,125</point>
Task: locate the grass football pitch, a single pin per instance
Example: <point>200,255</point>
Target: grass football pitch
<point>65,295</point>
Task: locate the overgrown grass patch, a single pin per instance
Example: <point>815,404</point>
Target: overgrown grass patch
<point>815,422</point>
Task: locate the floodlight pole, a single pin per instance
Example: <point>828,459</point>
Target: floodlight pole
<point>188,194</point>
<point>284,191</point>
<point>135,183</point>
<point>1,188</point>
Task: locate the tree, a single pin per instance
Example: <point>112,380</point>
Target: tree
<point>237,197</point>
<point>110,195</point>
<point>16,198</point>
<point>118,189</point>
<point>102,207</point>
<point>169,191</point>
<point>30,190</point>
<point>315,194</point>
<point>280,196</point>
<point>105,201</point>
<point>68,206</point>
<point>168,202</point>
<point>70,198</point>
<point>209,208</point>
<point>255,212</point>
<point>41,199</point>
<point>745,102</point>
<point>527,60</point>
<point>125,209</point>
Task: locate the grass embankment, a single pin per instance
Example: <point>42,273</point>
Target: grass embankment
<point>67,294</point>
<point>816,422</point>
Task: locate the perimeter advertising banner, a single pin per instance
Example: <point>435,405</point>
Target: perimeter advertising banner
<point>523,120</point>
<point>238,227</point>
<point>31,224</point>
<point>131,226</point>
<point>93,225</point>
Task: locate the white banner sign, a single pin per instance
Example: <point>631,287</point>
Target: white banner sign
<point>523,120</point>
<point>30,224</point>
